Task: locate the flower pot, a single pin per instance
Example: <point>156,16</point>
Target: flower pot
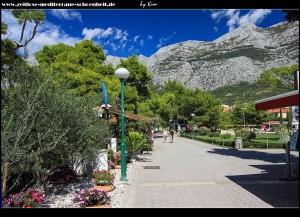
<point>99,206</point>
<point>105,188</point>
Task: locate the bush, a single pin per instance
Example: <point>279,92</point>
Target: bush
<point>44,125</point>
<point>203,130</point>
<point>213,134</point>
<point>225,136</point>
<point>63,172</point>
<point>246,134</point>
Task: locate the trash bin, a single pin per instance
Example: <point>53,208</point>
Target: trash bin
<point>238,142</point>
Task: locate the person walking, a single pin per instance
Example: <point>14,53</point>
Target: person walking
<point>165,135</point>
<point>171,135</point>
<point>150,136</point>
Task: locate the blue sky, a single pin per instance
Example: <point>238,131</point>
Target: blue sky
<point>126,32</point>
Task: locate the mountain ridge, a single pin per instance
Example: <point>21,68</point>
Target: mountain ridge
<point>239,55</point>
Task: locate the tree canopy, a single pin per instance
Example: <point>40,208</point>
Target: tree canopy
<point>282,77</point>
<point>82,66</point>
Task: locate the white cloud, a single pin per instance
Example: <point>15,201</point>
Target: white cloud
<point>107,32</point>
<point>163,40</point>
<point>121,34</point>
<point>47,33</point>
<point>132,49</point>
<point>150,37</point>
<point>97,32</point>
<point>136,38</point>
<point>113,47</point>
<point>91,33</point>
<point>64,14</point>
<point>234,17</point>
<point>216,29</point>
<point>254,16</point>
<point>142,43</point>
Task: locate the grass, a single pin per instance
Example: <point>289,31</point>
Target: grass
<point>272,138</point>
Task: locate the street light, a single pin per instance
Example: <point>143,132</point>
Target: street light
<point>244,117</point>
<point>193,125</point>
<point>122,74</point>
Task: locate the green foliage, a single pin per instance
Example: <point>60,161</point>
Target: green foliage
<point>139,78</point>
<point>135,142</point>
<point>213,134</point>
<point>8,53</point>
<point>246,134</point>
<point>3,28</point>
<point>225,136</point>
<point>43,126</point>
<point>282,77</point>
<point>81,66</point>
<point>203,131</point>
<point>251,115</point>
<point>231,94</point>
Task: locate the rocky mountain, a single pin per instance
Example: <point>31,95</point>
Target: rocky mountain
<point>240,55</point>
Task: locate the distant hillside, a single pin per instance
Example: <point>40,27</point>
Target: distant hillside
<point>232,94</point>
<point>240,55</point>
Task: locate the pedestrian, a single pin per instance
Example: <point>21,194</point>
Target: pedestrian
<point>150,135</point>
<point>171,135</point>
<point>165,135</point>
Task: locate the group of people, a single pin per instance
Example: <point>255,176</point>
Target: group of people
<point>168,133</point>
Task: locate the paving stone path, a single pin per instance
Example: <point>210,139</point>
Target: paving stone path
<point>192,174</point>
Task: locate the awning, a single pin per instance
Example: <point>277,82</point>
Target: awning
<point>132,116</point>
<point>278,101</point>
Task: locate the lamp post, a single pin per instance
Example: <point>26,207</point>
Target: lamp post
<point>193,125</point>
<point>244,117</point>
<point>122,74</point>
<point>170,124</point>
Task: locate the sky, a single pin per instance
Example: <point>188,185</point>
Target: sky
<point>126,32</point>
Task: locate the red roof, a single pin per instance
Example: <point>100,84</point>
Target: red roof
<point>279,101</point>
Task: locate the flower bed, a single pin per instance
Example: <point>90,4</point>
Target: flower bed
<point>90,197</point>
<point>27,199</point>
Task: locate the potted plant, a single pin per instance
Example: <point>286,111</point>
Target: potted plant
<point>93,198</point>
<point>103,180</point>
<point>134,143</point>
<point>117,160</point>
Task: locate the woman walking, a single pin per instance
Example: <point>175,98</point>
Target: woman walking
<point>165,134</point>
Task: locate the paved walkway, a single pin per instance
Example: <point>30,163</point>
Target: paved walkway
<point>199,175</point>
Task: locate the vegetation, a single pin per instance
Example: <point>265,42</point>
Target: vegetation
<point>135,142</point>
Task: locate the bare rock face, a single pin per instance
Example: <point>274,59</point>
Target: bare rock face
<point>240,55</point>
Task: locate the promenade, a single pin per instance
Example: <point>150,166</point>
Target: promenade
<point>192,174</point>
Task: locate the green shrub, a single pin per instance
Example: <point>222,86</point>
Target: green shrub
<point>246,134</point>
<point>213,134</point>
<point>225,136</point>
<point>203,130</point>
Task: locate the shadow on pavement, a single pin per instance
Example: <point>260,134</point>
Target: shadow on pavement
<point>143,159</point>
<point>256,155</point>
<point>267,186</point>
